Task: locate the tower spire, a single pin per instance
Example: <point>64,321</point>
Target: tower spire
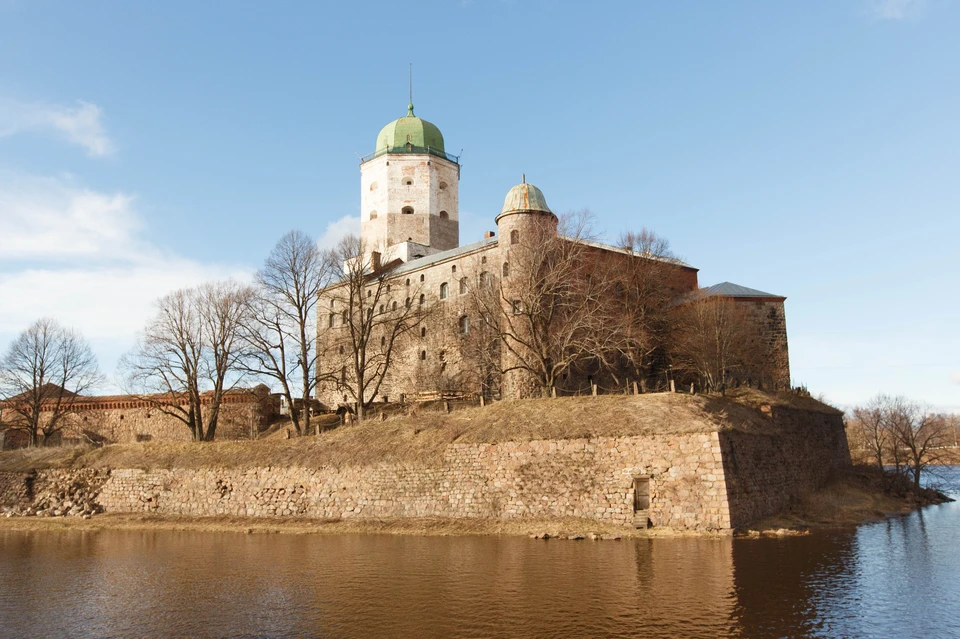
<point>410,106</point>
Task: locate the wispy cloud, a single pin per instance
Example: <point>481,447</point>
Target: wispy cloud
<point>896,9</point>
<point>337,229</point>
<point>83,257</point>
<point>81,124</point>
<point>955,379</point>
<point>49,218</point>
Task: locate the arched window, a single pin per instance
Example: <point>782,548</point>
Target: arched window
<point>423,355</point>
<point>344,318</point>
<point>383,341</point>
<point>408,281</point>
<point>514,236</point>
<point>373,215</point>
<point>506,269</point>
<point>341,349</point>
<point>333,320</point>
<point>423,331</point>
<point>408,302</point>
<point>464,324</point>
<point>407,181</point>
<point>382,309</point>
<point>443,186</point>
<point>393,306</point>
<point>331,303</point>
<point>423,298</point>
<point>453,269</point>
<point>444,215</point>
<point>369,292</point>
<point>407,210</point>
<point>343,374</point>
<point>517,307</point>
<point>483,259</point>
<point>486,280</point>
<point>443,291</point>
<point>421,278</point>
<point>463,285</point>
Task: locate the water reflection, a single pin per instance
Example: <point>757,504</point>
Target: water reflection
<point>892,578</point>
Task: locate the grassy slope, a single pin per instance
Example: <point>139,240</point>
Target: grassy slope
<point>423,436</point>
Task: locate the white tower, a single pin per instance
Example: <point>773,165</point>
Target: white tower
<point>408,192</point>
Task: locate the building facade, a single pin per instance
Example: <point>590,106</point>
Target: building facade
<point>420,271</point>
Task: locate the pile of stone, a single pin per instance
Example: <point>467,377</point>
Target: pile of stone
<point>62,494</point>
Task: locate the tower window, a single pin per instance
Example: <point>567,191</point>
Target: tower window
<point>373,215</point>
<point>382,308</point>
<point>333,320</point>
<point>514,236</point>
<point>383,341</point>
<point>373,186</point>
<point>444,215</point>
<point>408,281</point>
<point>464,324</point>
<point>423,356</point>
<point>506,269</point>
<point>393,307</point>
<point>407,210</point>
<point>407,182</point>
<point>408,302</point>
<point>463,285</point>
<point>421,278</point>
<point>444,289</point>
<point>423,331</point>
<point>483,260</point>
<point>423,298</point>
<point>454,269</point>
<point>443,186</point>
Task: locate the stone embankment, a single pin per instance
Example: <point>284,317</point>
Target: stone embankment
<point>52,493</point>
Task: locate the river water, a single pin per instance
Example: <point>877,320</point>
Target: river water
<point>897,578</point>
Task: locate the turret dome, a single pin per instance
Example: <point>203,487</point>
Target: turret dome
<point>525,198</point>
<point>418,133</point>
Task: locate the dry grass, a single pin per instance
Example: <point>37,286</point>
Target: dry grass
<point>423,436</point>
<point>848,498</point>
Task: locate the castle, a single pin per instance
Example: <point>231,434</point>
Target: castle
<point>412,258</point>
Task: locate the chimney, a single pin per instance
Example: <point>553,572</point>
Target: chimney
<point>489,234</point>
<point>375,260</point>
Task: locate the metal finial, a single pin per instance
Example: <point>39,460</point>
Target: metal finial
<point>410,106</point>
<point>523,178</point>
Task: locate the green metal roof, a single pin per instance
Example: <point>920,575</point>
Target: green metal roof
<point>525,197</point>
<point>416,132</point>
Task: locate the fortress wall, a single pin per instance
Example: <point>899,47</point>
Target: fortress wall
<point>585,478</point>
<point>138,423</point>
<point>13,489</point>
<point>765,473</point>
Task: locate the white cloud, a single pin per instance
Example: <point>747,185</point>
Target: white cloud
<point>955,379</point>
<point>81,124</point>
<point>338,229</point>
<point>896,9</point>
<point>55,219</point>
<point>78,255</point>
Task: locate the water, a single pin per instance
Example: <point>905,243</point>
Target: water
<point>898,578</point>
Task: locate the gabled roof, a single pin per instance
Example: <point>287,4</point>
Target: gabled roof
<point>729,289</point>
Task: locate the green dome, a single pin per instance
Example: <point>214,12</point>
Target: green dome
<point>525,197</point>
<point>410,129</point>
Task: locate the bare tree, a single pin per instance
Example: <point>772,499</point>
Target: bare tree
<point>550,313</point>
<point>870,423</point>
<point>280,331</point>
<point>646,284</point>
<point>918,436</point>
<point>42,374</point>
<point>903,434</point>
<point>366,322</point>
<point>716,340</point>
<point>189,354</point>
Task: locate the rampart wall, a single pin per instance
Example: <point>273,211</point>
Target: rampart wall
<point>699,481</point>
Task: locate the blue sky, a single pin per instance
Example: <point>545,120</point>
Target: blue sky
<point>810,149</point>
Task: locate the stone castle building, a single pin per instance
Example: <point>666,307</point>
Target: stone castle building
<point>410,234</point>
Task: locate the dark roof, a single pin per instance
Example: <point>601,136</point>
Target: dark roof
<point>729,289</point>
<point>422,262</point>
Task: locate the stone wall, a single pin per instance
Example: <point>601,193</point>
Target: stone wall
<point>138,423</point>
<point>766,472</point>
<point>570,478</point>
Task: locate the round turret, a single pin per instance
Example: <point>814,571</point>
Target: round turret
<point>409,130</point>
<point>524,198</point>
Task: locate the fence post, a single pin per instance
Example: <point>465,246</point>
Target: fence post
<point>636,391</point>
<point>594,389</point>
<point>673,387</point>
